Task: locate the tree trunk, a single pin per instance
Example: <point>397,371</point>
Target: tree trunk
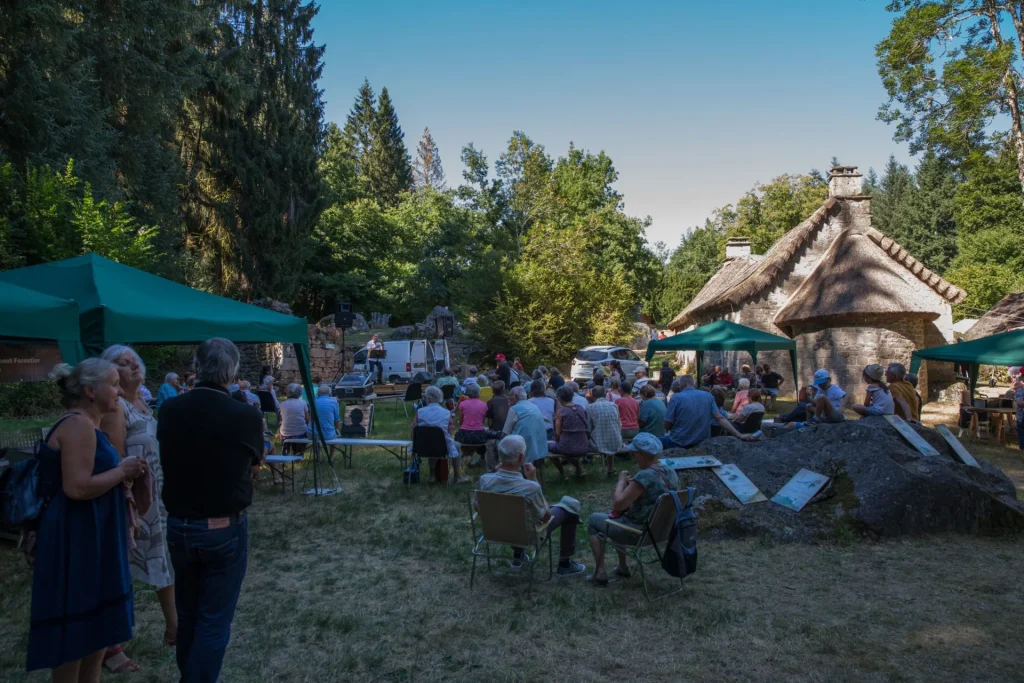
<point>1012,99</point>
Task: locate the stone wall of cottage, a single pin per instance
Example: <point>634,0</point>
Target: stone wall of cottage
<point>324,351</point>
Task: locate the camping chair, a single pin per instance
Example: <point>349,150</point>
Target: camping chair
<point>751,424</point>
<point>430,444</point>
<point>267,404</point>
<point>448,392</point>
<point>980,420</point>
<point>651,539</point>
<point>506,520</point>
<point>413,393</point>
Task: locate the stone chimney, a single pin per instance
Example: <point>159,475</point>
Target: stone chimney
<point>845,181</point>
<point>737,247</point>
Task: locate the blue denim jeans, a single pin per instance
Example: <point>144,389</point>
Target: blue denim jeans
<point>209,565</point>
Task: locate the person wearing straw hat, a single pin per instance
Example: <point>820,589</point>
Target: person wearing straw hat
<point>632,503</point>
<point>878,400</point>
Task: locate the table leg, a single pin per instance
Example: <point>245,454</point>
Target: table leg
<point>293,478</point>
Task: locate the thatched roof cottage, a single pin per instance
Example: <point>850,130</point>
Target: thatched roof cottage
<point>1006,315</point>
<point>845,292</point>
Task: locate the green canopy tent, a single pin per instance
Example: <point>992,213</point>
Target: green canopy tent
<point>724,335</point>
<point>27,315</point>
<point>1006,348</point>
<point>120,305</point>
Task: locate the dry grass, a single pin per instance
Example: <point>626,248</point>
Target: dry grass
<point>372,585</point>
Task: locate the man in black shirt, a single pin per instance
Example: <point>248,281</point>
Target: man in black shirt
<point>504,370</point>
<point>771,381</point>
<point>210,445</point>
<point>666,376</point>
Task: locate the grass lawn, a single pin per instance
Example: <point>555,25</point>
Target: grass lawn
<point>372,585</point>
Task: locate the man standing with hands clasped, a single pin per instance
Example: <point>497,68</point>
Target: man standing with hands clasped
<point>210,445</point>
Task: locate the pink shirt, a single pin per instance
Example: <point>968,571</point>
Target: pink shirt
<point>471,414</point>
<point>742,399</point>
<point>629,410</point>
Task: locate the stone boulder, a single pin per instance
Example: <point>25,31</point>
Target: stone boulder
<point>880,486</point>
<point>404,332</point>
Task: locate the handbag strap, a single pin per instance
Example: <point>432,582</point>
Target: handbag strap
<point>52,429</point>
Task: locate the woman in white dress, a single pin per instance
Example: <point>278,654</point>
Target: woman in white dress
<point>132,431</point>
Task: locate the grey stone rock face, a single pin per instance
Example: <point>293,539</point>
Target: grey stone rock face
<point>880,486</point>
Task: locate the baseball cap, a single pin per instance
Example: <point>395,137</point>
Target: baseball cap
<point>647,443</point>
<point>500,356</point>
<point>875,372</point>
<point>820,377</point>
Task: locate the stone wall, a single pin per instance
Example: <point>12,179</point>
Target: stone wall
<point>324,350</point>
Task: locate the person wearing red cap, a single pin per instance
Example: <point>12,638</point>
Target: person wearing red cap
<point>503,371</point>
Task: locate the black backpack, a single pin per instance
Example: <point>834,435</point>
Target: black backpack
<point>27,487</point>
<point>680,556</point>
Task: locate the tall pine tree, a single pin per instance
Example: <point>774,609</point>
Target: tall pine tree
<point>358,132</point>
<point>385,168</point>
<point>427,170</point>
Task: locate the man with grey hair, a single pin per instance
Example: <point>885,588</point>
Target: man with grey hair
<point>904,397</point>
<point>170,388</point>
<point>564,515</point>
<point>604,427</point>
<point>526,420</point>
<point>581,401</point>
<point>690,414</point>
<point>210,446</point>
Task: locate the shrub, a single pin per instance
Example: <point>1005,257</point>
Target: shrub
<point>29,399</point>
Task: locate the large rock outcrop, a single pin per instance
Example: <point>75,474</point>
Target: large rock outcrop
<point>880,486</point>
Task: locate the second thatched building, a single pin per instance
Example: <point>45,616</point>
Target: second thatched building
<point>845,292</point>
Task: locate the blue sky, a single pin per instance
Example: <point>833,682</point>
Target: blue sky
<point>694,102</point>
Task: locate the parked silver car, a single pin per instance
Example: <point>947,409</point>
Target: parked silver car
<point>591,357</point>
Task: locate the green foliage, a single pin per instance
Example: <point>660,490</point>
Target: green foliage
<point>109,231</point>
<point>699,255</point>
<point>427,169</point>
<point>376,144</point>
<point>767,212</point>
<point>29,399</point>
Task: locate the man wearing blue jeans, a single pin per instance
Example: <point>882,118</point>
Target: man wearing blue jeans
<point>689,416</point>
<point>210,445</point>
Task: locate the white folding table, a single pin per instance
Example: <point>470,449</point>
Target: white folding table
<point>396,447</point>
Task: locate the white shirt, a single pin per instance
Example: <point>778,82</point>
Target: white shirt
<point>834,395</point>
<point>881,400</point>
<point>546,406</point>
<point>374,345</point>
<point>580,401</point>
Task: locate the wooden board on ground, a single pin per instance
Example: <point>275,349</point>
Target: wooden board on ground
<point>912,437</point>
<point>737,482</point>
<point>691,462</point>
<point>958,448</point>
<point>799,490</point>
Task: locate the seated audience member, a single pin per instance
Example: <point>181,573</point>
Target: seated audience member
<point>828,402</point>
<point>629,412</point>
<point>711,377</point>
<point>470,379</point>
<point>741,399</point>
<point>758,374</point>
<point>517,365</point>
<point>525,419</point>
<point>912,378</point>
<point>497,406</point>
<point>903,395</point>
<point>314,389</point>
<point>652,412</point>
<point>770,382</point>
<point>877,399</point>
<point>633,502</point>
<point>571,438</point>
<point>190,384</point>
<point>171,388</point>
<point>598,379</point>
<point>447,379</point>
<point>676,387</point>
<point>754,406</point>
<point>294,418</point>
<point>604,427</point>
<point>556,380</point>
<point>690,415</point>
<point>1018,404</point>
<point>640,378</point>
<point>746,374</point>
<point>250,397</point>
<point>471,413</point>
<point>799,412</point>
<point>146,395</point>
<point>267,385</point>
<point>719,395</point>
<point>614,392</point>
<point>666,376</point>
<point>328,412</point>
<point>481,377</point>
<point>576,398</point>
<point>434,414</point>
<point>616,371</point>
<point>564,515</point>
<point>546,406</point>
<point>724,379</point>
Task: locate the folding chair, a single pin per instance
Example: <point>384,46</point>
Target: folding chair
<point>413,393</point>
<point>751,424</point>
<point>980,420</point>
<point>653,536</point>
<point>486,394</point>
<point>430,444</point>
<point>507,520</point>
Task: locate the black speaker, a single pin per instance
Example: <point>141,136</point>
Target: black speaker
<point>343,315</point>
<point>445,326</point>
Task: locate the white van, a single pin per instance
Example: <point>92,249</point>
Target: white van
<point>407,357</point>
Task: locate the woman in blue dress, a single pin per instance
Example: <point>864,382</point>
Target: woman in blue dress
<point>82,588</point>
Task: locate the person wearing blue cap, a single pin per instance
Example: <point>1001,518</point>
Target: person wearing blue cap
<point>632,504</point>
<point>829,400</point>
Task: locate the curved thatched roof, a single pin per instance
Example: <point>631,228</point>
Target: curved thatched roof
<point>856,276</point>
<point>740,280</point>
<point>1006,315</point>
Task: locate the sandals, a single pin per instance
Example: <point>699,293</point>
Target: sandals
<point>116,661</point>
